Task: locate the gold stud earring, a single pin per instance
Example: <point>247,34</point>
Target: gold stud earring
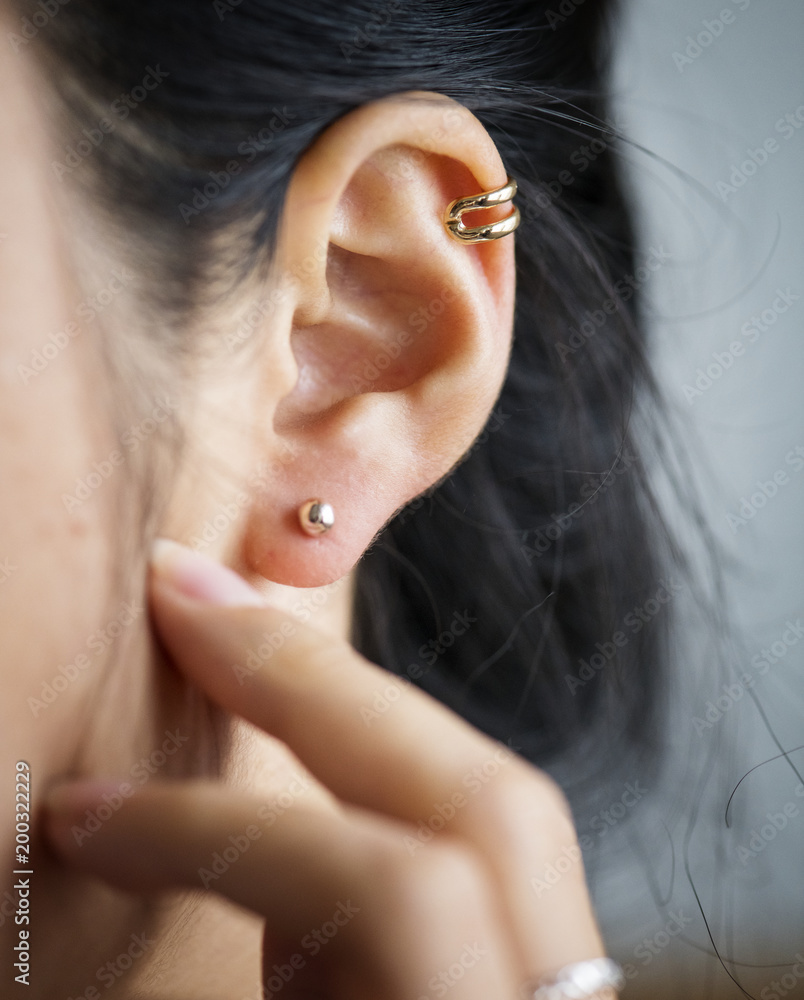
<point>487,199</point>
<point>316,517</point>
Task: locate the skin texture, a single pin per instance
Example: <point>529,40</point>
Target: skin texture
<point>350,271</point>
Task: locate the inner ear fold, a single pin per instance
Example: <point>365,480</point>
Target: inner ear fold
<point>388,280</point>
<point>378,335</point>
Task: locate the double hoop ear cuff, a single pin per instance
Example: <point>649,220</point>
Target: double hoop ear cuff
<point>487,199</point>
<point>316,517</point>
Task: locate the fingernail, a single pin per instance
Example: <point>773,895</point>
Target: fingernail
<point>72,798</point>
<point>195,575</point>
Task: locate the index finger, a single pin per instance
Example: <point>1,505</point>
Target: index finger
<point>316,694</point>
<point>418,762</point>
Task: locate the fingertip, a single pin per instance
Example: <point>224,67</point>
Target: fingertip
<point>72,807</point>
<point>181,570</point>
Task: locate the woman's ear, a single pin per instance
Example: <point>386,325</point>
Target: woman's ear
<point>392,340</point>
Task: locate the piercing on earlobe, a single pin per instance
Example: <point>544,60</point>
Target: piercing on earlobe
<point>316,517</point>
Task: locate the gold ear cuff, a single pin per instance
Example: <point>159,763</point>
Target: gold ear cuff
<point>487,199</point>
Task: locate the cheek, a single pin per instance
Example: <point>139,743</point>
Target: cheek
<point>53,564</point>
<point>54,425</point>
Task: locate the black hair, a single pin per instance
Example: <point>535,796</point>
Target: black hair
<point>521,590</point>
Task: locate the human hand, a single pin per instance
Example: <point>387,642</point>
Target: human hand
<point>419,849</point>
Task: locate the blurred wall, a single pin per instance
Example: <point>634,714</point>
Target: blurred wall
<point>714,92</point>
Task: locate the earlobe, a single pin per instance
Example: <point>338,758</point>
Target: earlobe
<point>400,333</point>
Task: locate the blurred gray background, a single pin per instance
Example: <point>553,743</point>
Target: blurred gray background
<point>707,93</point>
